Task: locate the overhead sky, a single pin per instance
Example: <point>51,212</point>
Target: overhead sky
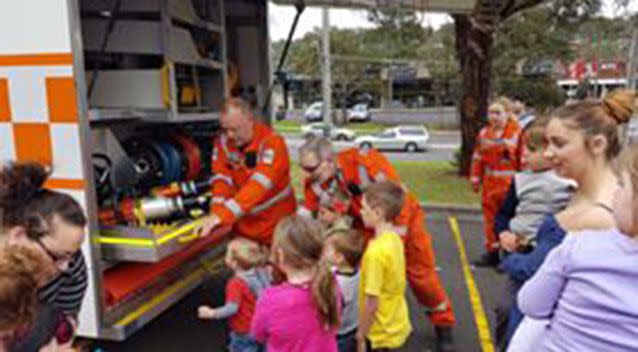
<point>281,18</point>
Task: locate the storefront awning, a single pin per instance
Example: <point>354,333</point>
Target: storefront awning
<point>451,6</point>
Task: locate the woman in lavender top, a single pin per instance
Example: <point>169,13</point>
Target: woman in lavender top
<point>587,285</point>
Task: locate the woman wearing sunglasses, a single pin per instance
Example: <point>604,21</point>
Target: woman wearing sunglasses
<point>50,225</point>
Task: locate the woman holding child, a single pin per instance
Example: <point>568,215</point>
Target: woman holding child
<point>582,143</point>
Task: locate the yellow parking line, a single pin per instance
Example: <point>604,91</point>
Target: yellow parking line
<point>480,318</point>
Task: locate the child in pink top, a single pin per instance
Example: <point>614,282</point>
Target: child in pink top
<point>302,314</point>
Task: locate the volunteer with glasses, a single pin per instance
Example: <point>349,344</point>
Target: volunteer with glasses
<point>51,225</point>
<point>350,171</point>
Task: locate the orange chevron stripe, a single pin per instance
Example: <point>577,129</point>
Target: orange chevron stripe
<point>58,183</point>
<point>49,59</point>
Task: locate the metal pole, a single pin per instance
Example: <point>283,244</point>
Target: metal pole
<point>327,81</point>
<point>633,62</point>
<point>390,88</point>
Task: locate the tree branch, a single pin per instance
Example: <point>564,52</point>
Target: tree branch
<point>523,5</point>
<point>507,8</point>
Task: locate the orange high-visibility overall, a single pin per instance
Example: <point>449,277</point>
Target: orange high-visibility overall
<point>356,170</point>
<point>251,187</point>
<point>494,163</point>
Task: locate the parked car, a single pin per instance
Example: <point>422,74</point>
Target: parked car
<point>408,138</point>
<point>316,130</point>
<point>359,112</point>
<point>314,112</point>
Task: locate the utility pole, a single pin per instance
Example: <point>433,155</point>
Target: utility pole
<point>632,64</point>
<point>390,87</point>
<point>327,81</point>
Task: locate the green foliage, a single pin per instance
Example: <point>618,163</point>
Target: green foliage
<point>530,36</point>
<point>547,32</point>
<point>540,93</point>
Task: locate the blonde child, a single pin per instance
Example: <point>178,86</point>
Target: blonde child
<point>302,314</point>
<point>246,259</point>
<point>384,323</point>
<point>343,249</point>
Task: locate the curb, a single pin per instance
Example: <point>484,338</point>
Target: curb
<point>451,208</point>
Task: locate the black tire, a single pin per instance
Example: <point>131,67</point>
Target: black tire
<point>342,137</point>
<point>366,145</point>
<point>411,147</point>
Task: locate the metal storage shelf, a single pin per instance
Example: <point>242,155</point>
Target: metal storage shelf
<point>209,26</point>
<point>151,43</point>
<point>145,38</point>
<point>111,115</point>
<point>145,244</point>
<point>180,11</point>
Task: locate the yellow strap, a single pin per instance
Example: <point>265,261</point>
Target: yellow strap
<point>185,231</point>
<point>166,86</point>
<point>133,242</point>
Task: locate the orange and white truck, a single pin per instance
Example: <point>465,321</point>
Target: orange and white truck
<point>122,98</point>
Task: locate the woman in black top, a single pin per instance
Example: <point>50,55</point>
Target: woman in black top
<point>52,225</point>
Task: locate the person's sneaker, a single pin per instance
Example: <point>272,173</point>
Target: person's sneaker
<point>489,259</point>
<point>444,339</point>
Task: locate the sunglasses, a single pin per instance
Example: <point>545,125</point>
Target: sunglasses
<point>310,169</point>
<point>56,258</point>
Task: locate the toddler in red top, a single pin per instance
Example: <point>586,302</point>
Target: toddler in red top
<point>247,260</point>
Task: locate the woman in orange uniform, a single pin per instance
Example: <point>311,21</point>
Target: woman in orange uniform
<point>495,161</point>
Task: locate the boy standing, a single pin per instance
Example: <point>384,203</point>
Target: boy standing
<point>384,323</point>
<point>343,249</point>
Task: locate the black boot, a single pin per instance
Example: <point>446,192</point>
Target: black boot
<point>489,259</point>
<point>444,339</point>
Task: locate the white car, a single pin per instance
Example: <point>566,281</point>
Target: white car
<point>316,130</point>
<point>314,112</point>
<point>408,138</point>
<point>359,112</point>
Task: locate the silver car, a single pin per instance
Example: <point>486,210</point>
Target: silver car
<point>409,138</point>
<point>317,130</point>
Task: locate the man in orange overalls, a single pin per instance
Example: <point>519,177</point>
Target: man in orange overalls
<point>496,159</point>
<point>251,188</point>
<point>351,171</point>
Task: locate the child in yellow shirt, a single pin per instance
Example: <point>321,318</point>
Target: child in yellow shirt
<point>384,323</point>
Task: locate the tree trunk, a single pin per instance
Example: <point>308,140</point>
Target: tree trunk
<point>474,41</point>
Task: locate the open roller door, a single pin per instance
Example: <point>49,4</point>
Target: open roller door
<point>452,6</point>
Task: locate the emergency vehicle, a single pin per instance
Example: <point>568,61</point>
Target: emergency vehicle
<point>122,97</point>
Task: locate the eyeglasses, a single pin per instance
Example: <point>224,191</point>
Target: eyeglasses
<point>56,258</point>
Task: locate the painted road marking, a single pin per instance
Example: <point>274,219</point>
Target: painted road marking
<point>480,318</point>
